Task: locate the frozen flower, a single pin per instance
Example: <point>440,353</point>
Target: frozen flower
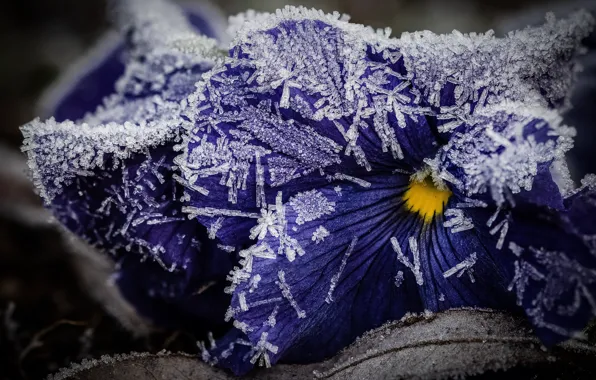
<point>349,178</point>
<point>449,156</point>
<point>104,163</point>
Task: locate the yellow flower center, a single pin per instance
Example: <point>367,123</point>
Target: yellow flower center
<point>424,198</point>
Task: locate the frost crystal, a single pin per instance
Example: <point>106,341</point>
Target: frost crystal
<point>267,223</point>
<point>287,294</point>
<point>262,350</point>
<point>463,267</point>
<point>415,266</point>
<point>310,206</point>
<point>335,278</point>
<point>320,234</point>
<point>458,222</point>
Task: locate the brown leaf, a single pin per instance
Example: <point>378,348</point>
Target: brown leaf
<point>455,344</point>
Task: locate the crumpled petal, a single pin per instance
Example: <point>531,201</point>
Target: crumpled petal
<point>110,177</point>
<point>113,171</point>
<point>499,102</point>
<point>85,85</point>
<point>510,149</point>
<point>302,99</point>
<point>115,187</point>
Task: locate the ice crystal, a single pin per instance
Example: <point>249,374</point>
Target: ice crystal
<point>310,206</point>
<point>320,234</point>
<point>413,266</point>
<point>463,267</point>
<point>335,278</point>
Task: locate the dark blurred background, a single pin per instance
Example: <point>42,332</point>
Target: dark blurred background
<point>47,318</point>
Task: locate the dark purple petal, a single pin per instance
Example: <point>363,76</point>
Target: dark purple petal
<point>580,207</point>
<point>128,204</point>
<point>507,153</point>
<point>233,351</point>
<point>114,200</point>
<point>303,104</point>
<point>322,286</point>
<point>499,117</point>
<point>93,78</point>
<point>551,257</point>
<point>328,269</point>
<point>111,178</point>
<point>191,300</point>
<point>306,97</point>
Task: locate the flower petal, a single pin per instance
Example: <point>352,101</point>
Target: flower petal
<point>462,73</point>
<point>510,148</point>
<point>177,300</point>
<point>333,265</point>
<point>301,88</point>
<point>85,85</point>
<point>292,297</point>
<point>550,255</point>
<point>306,99</point>
<point>115,187</point>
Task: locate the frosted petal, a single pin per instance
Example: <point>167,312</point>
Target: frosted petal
<point>83,86</point>
<point>59,152</point>
<point>535,65</point>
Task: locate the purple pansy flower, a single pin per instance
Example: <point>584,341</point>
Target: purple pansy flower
<point>104,163</point>
<point>331,178</point>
